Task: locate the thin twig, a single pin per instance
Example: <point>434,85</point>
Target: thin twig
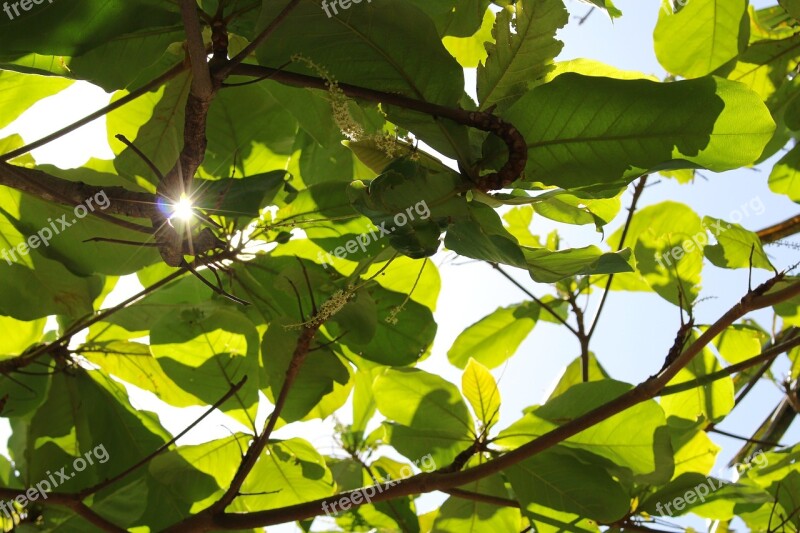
<point>110,481</point>
<point>235,61</point>
<point>168,75</point>
<point>637,193</point>
<point>533,297</point>
<point>747,439</point>
<point>738,367</point>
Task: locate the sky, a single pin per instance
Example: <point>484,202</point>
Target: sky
<point>636,330</point>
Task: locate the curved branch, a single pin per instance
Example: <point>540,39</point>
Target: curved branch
<point>517,148</point>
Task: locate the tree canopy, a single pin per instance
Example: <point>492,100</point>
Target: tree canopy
<point>283,172</point>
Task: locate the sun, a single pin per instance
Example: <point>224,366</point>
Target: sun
<point>182,209</point>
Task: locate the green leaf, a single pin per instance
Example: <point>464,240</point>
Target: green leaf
<point>480,389</point>
<point>765,65</point>
<point>20,394</point>
<point>154,124</point>
<point>701,36</point>
<point>573,375</point>
<point>634,439</point>
<point>471,51</point>
<point>198,473</point>
<point>411,204</point>
<point>740,341</point>
<point>608,5</point>
<point>546,266</point>
<point>785,175</point>
<point>736,247</point>
<point>238,198</point>
<point>560,481</point>
<point>117,63</point>
<point>523,52</point>
<point>454,17</point>
<point>288,473</point>
<point>18,335</point>
<point>458,515</point>
<point>233,135</point>
<point>76,28</point>
<point>496,337</point>
<point>18,92</point>
<point>206,353</point>
<point>709,402</point>
<point>694,450</point>
<point>84,413</point>
<point>37,287</point>
<point>318,377</point>
<point>427,414</point>
<point>398,48</point>
<point>667,239</point>
<point>133,363</point>
<point>584,130</point>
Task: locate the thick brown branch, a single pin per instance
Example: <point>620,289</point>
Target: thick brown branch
<point>780,230</point>
<point>427,482</point>
<point>298,357</point>
<point>201,78</point>
<point>71,193</point>
<point>204,519</point>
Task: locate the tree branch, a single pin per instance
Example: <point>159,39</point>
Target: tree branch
<point>201,78</point>
<point>517,148</point>
<point>766,355</point>
<point>204,519</point>
<point>427,482</point>
<point>71,193</point>
<point>780,230</point>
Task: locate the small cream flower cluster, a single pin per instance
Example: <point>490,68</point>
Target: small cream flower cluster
<point>329,308</point>
<point>392,317</point>
<point>348,125</point>
<point>332,305</point>
<point>339,103</point>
